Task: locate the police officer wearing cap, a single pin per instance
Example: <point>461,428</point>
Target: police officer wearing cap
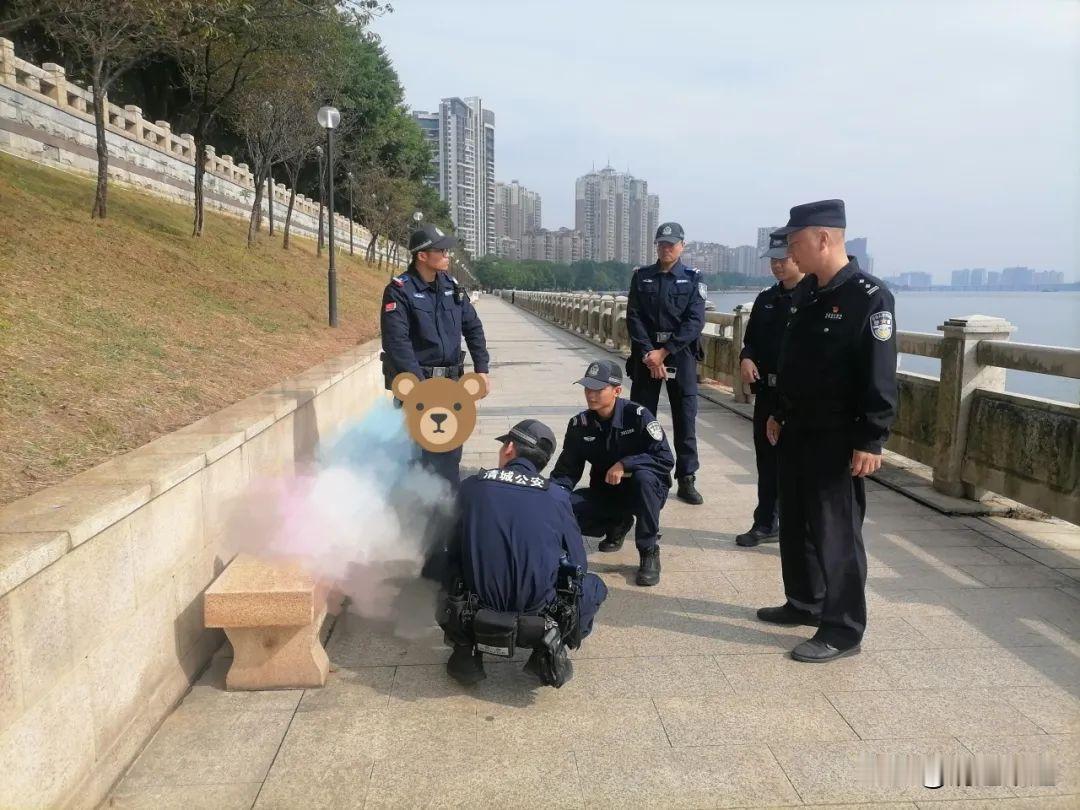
<point>513,530</point>
<point>837,401</point>
<point>424,315</point>
<point>630,468</point>
<point>665,313</point>
<point>759,363</point>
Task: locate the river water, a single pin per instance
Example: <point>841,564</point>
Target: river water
<point>1048,318</point>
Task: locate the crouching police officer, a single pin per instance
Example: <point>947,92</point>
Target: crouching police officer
<point>759,363</point>
<point>520,561</point>
<point>425,313</point>
<point>665,313</point>
<point>837,401</point>
<point>630,471</point>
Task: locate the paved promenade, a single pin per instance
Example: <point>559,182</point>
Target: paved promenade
<point>680,697</point>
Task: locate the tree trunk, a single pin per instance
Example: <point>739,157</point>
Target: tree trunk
<point>101,195</point>
<point>256,207</point>
<point>200,173</point>
<point>370,257</point>
<point>288,215</point>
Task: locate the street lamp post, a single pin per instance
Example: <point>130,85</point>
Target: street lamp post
<point>350,214</point>
<point>319,154</point>
<point>329,117</point>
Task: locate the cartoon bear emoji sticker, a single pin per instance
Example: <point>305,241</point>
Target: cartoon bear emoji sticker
<point>440,413</point>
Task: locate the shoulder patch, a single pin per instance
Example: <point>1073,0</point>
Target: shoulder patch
<point>702,289</point>
<point>694,270</point>
<point>881,325</point>
<point>655,430</point>
<point>398,281</point>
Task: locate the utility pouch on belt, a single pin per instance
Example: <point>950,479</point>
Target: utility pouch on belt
<point>455,617</point>
<point>495,633</point>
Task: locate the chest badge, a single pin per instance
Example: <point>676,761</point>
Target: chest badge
<point>881,325</point>
<point>835,315</point>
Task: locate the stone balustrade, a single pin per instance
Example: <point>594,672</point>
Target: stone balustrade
<point>975,436</point>
<point>57,133</point>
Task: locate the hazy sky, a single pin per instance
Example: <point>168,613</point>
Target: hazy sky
<point>951,129</point>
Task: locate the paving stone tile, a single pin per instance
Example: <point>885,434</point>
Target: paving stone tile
<point>833,771</point>
<point>919,577</point>
<point>928,536</point>
<point>570,726</point>
<point>351,690</point>
<point>979,667</point>
<point>1054,709</point>
<point>1062,751</point>
<point>186,797</point>
<point>949,632</point>
<point>1042,803</point>
<point>914,713</point>
<point>716,776</point>
<point>896,555</point>
<point>751,719</point>
<point>319,793</point>
<point>1017,576</point>
<point>209,695</point>
<point>779,672</point>
<point>493,779</point>
<point>892,633</point>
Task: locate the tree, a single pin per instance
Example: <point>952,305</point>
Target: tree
<point>105,39</point>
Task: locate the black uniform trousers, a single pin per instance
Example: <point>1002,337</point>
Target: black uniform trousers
<point>601,507</point>
<point>682,394</point>
<point>821,545</point>
<point>768,459</point>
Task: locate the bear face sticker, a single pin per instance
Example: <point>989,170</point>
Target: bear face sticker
<point>440,413</point>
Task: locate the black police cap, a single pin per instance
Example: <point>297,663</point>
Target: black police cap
<point>601,374</point>
<point>530,433</point>
<point>669,232</point>
<point>822,214</point>
<point>430,237</point>
<point>777,246</point>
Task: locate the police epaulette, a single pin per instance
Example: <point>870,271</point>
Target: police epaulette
<point>511,477</point>
<point>398,281</point>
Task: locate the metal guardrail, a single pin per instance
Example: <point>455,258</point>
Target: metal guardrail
<point>963,424</point>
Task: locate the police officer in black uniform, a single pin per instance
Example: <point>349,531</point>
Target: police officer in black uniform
<point>513,530</point>
<point>665,313</point>
<point>759,361</point>
<point>425,313</point>
<point>837,401</point>
<point>630,468</point>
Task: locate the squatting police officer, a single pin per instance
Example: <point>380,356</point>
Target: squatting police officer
<point>630,465</point>
<point>513,530</point>
<point>425,313</point>
<point>759,363</point>
<point>665,313</point>
<point>837,401</point>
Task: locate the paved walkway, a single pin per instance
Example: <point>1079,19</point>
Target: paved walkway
<point>680,697</point>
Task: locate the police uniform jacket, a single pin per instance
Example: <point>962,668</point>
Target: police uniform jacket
<point>422,325</point>
<point>838,358</point>
<point>765,331</point>
<point>666,309</point>
<point>513,529</point>
<point>632,436</point>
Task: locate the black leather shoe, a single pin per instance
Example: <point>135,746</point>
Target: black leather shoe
<point>816,651</point>
<point>649,570</point>
<point>465,666</point>
<point>615,536</point>
<point>757,534</point>
<point>786,614</point>
<point>688,492</point>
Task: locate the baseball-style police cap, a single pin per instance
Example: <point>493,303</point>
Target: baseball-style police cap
<point>531,433</point>
<point>777,246</point>
<point>430,237</point>
<point>601,374</point>
<point>823,214</point>
<point>669,232</point>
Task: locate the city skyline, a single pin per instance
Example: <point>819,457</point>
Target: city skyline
<point>931,154</point>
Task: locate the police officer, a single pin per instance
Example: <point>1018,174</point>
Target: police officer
<point>424,315</point>
<point>837,401</point>
<point>759,361</point>
<point>630,468</point>
<point>665,313</point>
<point>514,527</point>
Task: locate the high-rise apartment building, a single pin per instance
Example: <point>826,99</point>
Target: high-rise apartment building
<point>708,257</point>
<point>462,136</point>
<point>744,260</point>
<point>616,216</point>
<point>517,213</point>
<point>564,246</point>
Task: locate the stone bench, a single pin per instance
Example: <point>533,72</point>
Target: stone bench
<point>272,613</point>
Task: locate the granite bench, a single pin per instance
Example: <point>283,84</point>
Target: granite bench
<point>272,613</point>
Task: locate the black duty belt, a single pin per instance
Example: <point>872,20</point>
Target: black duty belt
<point>663,337</point>
<point>453,372</point>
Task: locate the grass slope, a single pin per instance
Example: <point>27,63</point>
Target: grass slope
<point>114,332</point>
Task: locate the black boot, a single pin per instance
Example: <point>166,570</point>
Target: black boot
<point>688,492</point>
<point>649,570</point>
<point>758,534</point>
<point>466,666</point>
<point>614,538</point>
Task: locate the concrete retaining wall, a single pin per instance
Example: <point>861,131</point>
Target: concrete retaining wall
<point>101,581</point>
